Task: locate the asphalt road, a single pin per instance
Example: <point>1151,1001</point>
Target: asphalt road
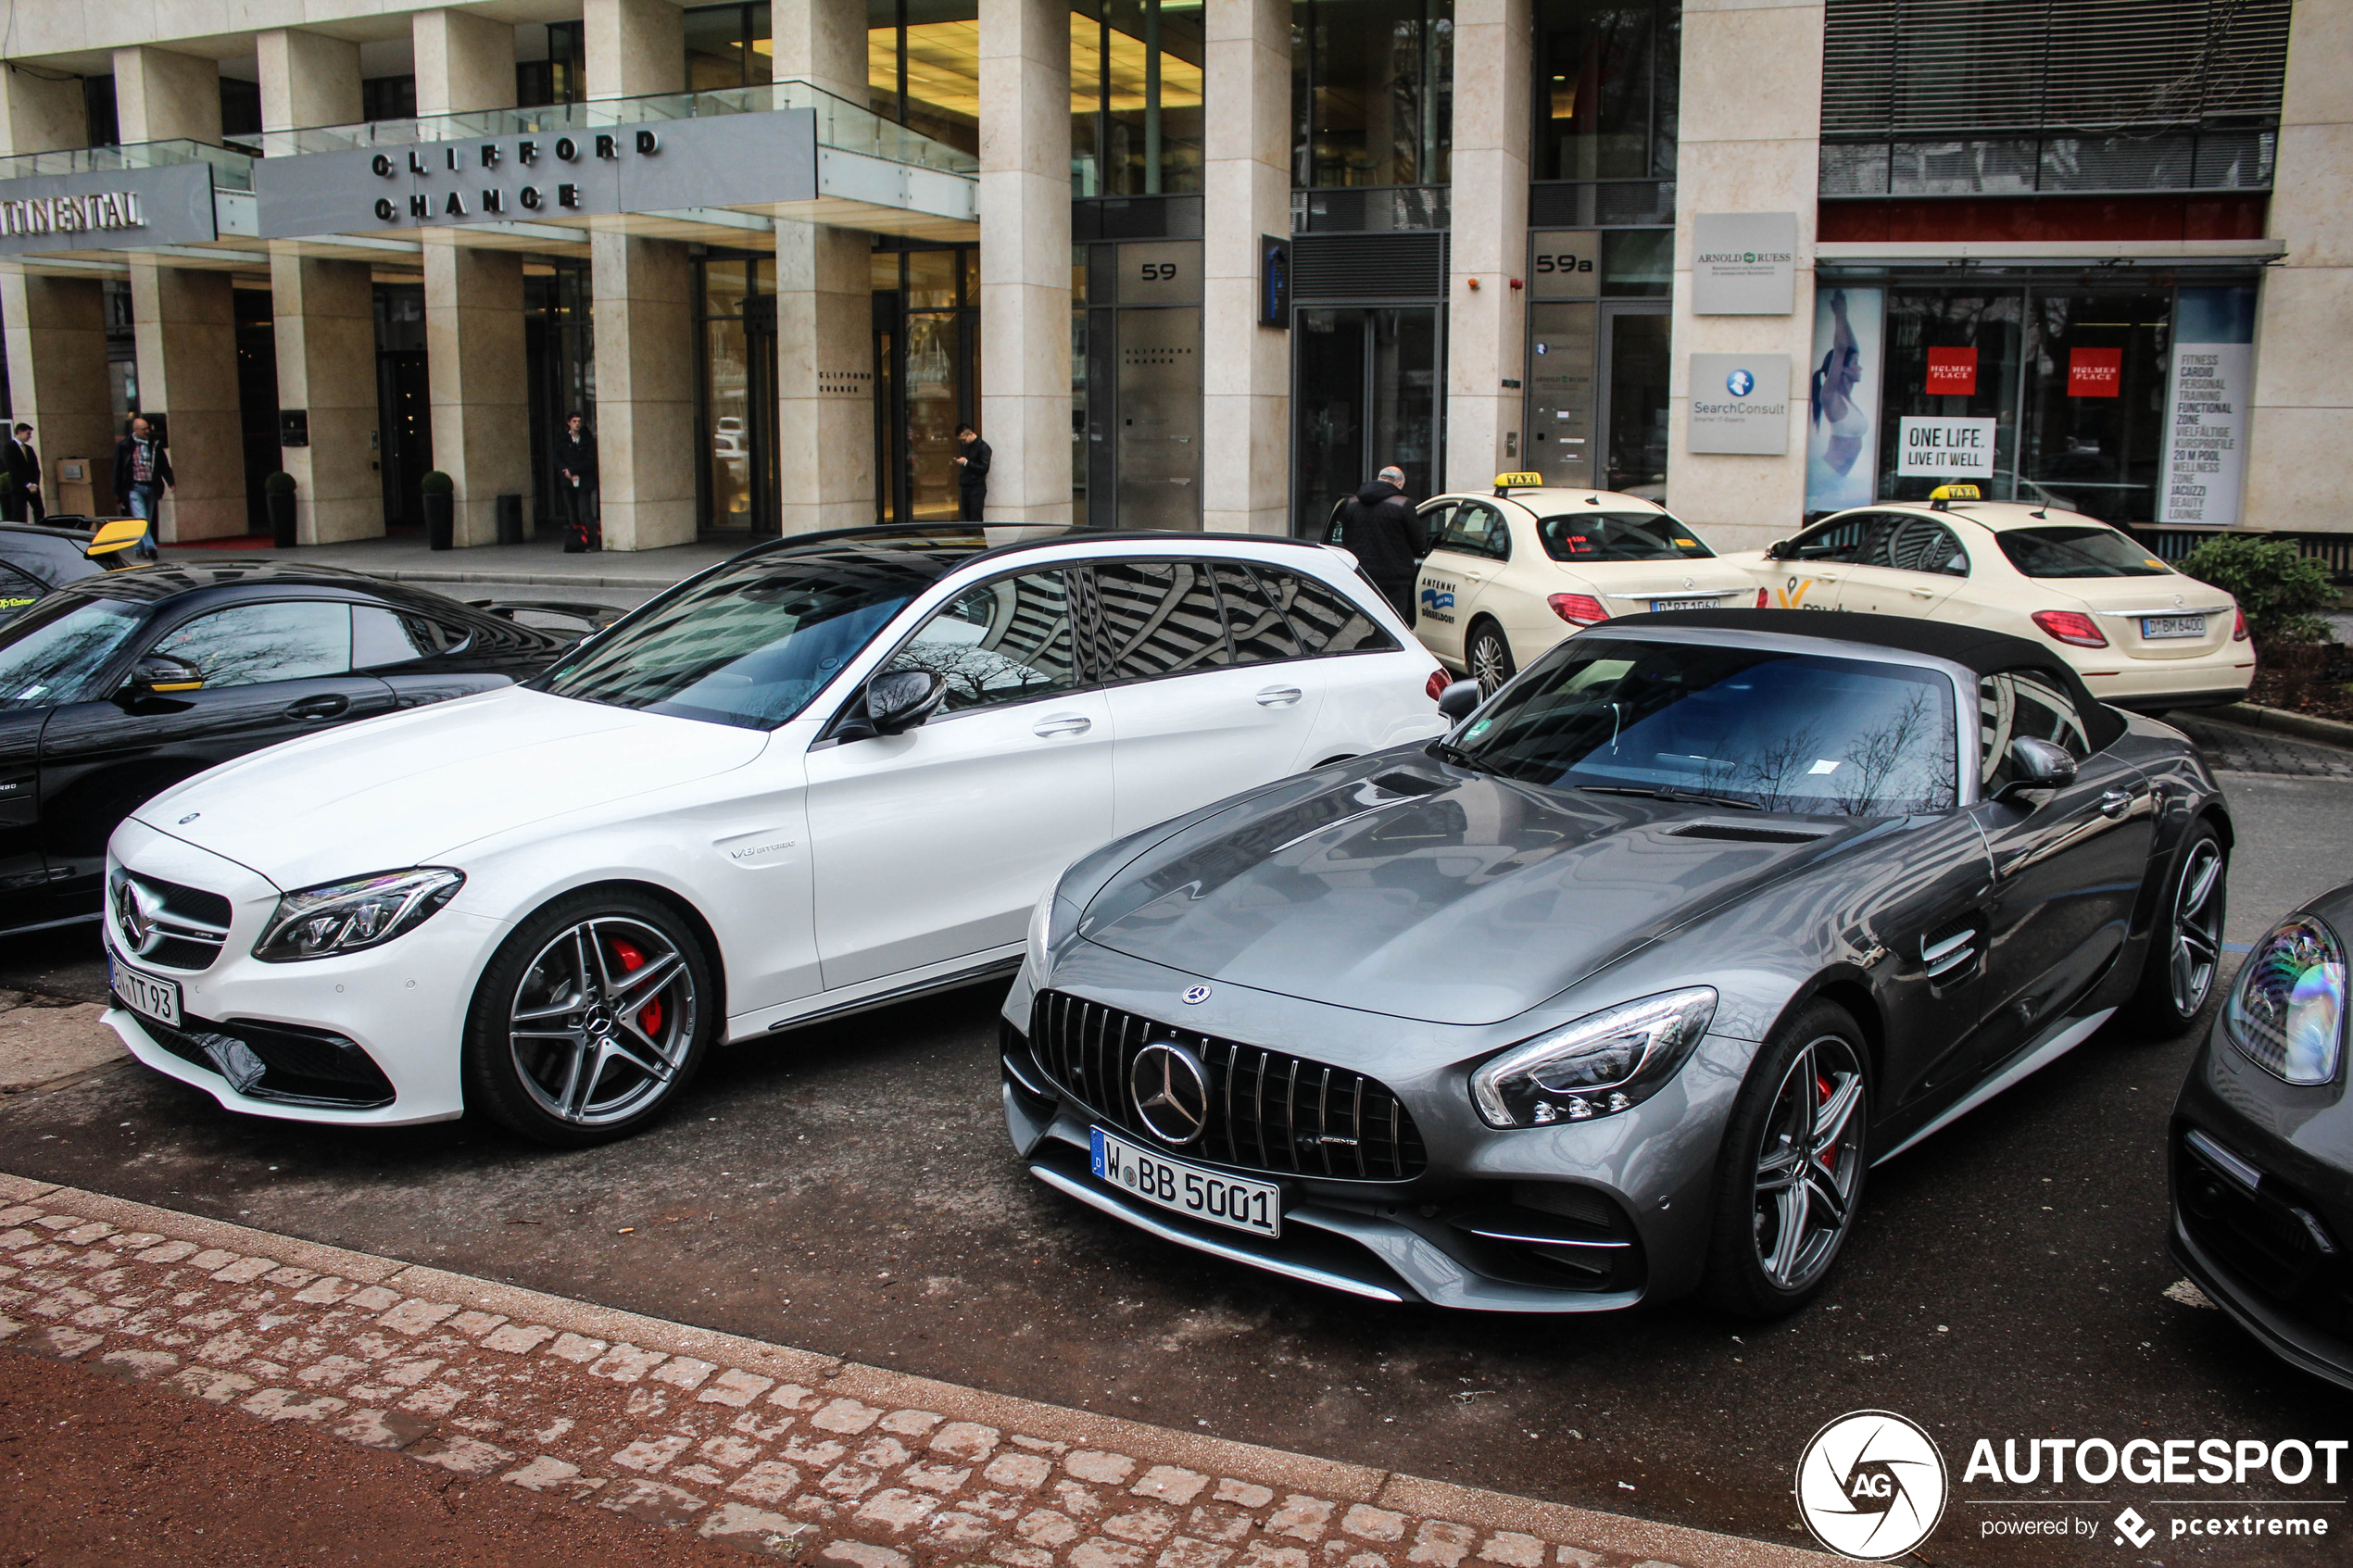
<point>849,1189</point>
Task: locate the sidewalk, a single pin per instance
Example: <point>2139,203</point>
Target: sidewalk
<point>540,562</point>
<point>778,1451</point>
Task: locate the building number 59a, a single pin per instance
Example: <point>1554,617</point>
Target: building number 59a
<point>1160,271</point>
<point>1564,264</point>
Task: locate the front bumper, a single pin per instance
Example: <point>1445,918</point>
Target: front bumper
<point>401,1007</point>
<point>1586,1217</point>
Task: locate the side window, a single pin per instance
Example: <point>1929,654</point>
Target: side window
<point>1435,519</point>
<point>1159,618</point>
<point>381,636</point>
<point>17,590</point>
<point>1841,540</point>
<point>247,644</point>
<point>1325,618</point>
<point>1477,529</point>
<point>2023,704</point>
<point>1254,626</point>
<point>997,642</point>
<point>1921,544</point>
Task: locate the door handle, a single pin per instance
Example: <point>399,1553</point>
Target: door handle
<point>2115,803</point>
<point>317,706</point>
<point>1063,724</point>
<point>1924,592</point>
<point>1280,696</point>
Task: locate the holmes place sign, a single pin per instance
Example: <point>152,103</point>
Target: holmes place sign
<point>106,209</point>
<point>727,160</point>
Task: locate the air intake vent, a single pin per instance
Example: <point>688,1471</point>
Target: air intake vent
<point>1329,268</point>
<point>1740,832</point>
<point>1600,204</point>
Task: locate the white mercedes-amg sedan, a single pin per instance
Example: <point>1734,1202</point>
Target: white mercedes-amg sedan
<point>832,773</point>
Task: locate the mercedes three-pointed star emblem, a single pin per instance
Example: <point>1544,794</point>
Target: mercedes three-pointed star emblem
<point>1170,1087</point>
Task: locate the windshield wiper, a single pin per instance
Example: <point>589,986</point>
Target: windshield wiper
<point>1668,791</point>
<point>1461,758</point>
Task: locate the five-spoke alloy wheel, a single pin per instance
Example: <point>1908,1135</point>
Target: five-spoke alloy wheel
<point>1489,658</point>
<point>2185,946</point>
<point>593,1014</point>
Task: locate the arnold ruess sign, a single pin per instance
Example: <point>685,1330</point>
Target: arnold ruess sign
<point>727,160</point>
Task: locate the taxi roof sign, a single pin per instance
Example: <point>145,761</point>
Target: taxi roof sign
<point>1943,496</point>
<point>1519,481</point>
<point>120,534</point>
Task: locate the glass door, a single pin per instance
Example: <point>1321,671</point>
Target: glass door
<point>737,406</point>
<point>1364,396</point>
<point>1634,407</point>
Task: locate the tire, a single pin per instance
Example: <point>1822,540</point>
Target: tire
<point>565,974</point>
<point>1487,658</point>
<point>1783,1213</point>
<point>2185,941</point>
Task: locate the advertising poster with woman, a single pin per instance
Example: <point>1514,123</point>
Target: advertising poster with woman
<point>1842,430</point>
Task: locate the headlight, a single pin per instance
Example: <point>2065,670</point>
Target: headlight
<point>345,917</point>
<point>1601,1063</point>
<point>1044,921</point>
<point>2286,1014</point>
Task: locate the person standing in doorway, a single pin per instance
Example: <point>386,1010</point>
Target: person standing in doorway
<point>576,479</point>
<point>141,471</point>
<point>21,479</point>
<point>971,474</point>
<point>1380,528</point>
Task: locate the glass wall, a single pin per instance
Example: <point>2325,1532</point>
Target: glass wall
<point>1135,97</point>
<point>923,66</point>
<point>1365,394</point>
<point>927,364</point>
<point>560,359</point>
<point>729,46</point>
<point>1372,91</point>
<point>1606,82</point>
<point>735,415</point>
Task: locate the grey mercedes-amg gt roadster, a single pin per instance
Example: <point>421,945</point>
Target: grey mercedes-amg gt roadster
<point>1617,991</point>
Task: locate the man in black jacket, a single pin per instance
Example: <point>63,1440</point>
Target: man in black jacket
<point>971,474</point>
<point>141,471</point>
<point>576,485</point>
<point>1381,531</point>
<point>20,478</point>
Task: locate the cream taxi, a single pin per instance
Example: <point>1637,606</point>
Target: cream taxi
<point>1509,574</point>
<point>2142,635</point>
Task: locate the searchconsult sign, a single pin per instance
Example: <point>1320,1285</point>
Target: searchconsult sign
<point>1874,1485</point>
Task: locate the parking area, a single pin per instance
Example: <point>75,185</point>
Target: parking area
<point>849,1189</point>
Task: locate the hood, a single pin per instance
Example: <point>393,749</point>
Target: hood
<point>407,788</point>
<point>1429,894</point>
<point>1379,490</point>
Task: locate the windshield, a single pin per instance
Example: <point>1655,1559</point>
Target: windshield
<point>1784,732</point>
<point>751,645</point>
<point>2078,552</point>
<point>53,652</point>
<point>1618,536</point>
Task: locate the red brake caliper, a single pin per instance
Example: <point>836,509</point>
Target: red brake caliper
<point>1828,1156</point>
<point>649,1016</point>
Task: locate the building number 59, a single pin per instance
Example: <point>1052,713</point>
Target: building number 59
<point>1160,271</point>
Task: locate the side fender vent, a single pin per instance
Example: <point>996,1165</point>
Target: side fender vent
<point>1742,833</point>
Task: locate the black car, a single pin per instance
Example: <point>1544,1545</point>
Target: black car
<point>122,684</point>
<point>37,560</point>
<point>2262,1147</point>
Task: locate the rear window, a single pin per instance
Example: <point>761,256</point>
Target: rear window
<point>1592,535</point>
<point>2078,552</point>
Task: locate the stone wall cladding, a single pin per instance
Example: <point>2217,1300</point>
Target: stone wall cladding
<point>785,1453</point>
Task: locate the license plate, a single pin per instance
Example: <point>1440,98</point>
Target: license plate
<point>158,1000</point>
<point>1255,1207</point>
<point>2155,628</point>
<point>1709,603</point>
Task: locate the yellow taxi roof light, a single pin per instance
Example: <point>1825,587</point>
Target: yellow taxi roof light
<point>1945,495</point>
<point>1519,481</point>
<point>120,534</point>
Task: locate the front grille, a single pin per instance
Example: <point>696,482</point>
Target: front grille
<point>277,1061</point>
<point>1267,1110</point>
<point>164,923</point>
<point>2273,1238</point>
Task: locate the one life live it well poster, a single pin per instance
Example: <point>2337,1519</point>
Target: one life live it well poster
<point>1934,448</point>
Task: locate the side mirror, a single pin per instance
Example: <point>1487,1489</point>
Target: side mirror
<point>160,673</point>
<point>2037,764</point>
<point>1458,702</point>
<point>903,700</point>
<point>1776,550</point>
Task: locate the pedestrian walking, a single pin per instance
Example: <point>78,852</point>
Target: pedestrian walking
<point>21,479</point>
<point>576,482</point>
<point>971,474</point>
<point>1380,528</point>
<point>141,471</point>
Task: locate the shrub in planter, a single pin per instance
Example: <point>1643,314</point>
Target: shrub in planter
<point>2277,586</point>
<point>440,511</point>
<point>280,484</point>
<point>278,504</point>
<point>437,483</point>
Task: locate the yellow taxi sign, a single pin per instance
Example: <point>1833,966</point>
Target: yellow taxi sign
<point>1945,495</point>
<point>1519,481</point>
<point>120,534</point>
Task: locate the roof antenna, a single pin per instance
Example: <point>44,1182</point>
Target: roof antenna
<point>1592,500</point>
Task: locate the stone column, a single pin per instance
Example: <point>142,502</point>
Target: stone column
<point>185,320</point>
<point>643,302</point>
<point>2301,420</point>
<point>1246,186</point>
<point>825,304</point>
<point>473,298</point>
<point>38,115</point>
<point>1485,318</point>
<point>306,78</point>
<point>1025,257</point>
<point>56,327</point>
<point>1751,141</point>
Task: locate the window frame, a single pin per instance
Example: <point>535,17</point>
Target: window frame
<point>1463,508</point>
<point>155,638</point>
<point>1083,665</point>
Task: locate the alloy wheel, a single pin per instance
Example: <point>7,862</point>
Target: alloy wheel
<point>1810,1164</point>
<point>2198,927</point>
<point>1490,662</point>
<point>602,1020</point>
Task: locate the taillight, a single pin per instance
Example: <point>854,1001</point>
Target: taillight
<point>2071,626</point>
<point>1577,609</point>
<point>1762,601</point>
<point>1437,684</point>
<point>2238,631</point>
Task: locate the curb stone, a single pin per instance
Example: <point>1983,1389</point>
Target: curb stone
<point>2306,726</point>
<point>781,1451</point>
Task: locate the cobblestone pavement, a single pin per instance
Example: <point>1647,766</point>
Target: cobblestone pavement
<point>779,1451</point>
<point>2232,749</point>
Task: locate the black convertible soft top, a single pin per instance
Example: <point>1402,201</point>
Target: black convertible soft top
<point>1973,647</point>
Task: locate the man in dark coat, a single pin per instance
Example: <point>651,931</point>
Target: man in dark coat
<point>1381,531</point>
<point>141,471</point>
<point>576,485</point>
<point>971,474</point>
<point>20,478</point>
